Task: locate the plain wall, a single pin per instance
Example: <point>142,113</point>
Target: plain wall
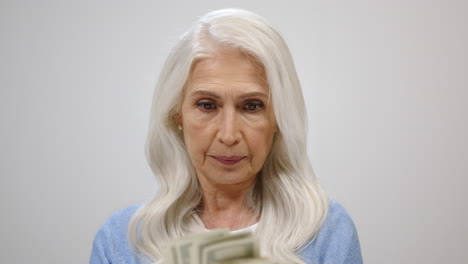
<point>386,89</point>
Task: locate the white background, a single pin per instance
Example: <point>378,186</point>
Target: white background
<point>386,89</point>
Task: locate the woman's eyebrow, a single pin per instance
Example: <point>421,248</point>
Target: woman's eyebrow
<point>205,93</point>
<point>253,94</point>
<point>242,96</point>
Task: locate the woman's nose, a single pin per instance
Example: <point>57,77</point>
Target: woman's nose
<point>229,128</point>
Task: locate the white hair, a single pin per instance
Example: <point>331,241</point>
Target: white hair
<point>291,204</point>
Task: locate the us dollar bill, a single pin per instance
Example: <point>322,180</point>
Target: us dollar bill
<point>248,261</point>
<point>213,247</point>
<point>179,251</point>
<point>229,248</point>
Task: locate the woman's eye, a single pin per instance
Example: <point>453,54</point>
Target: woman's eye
<point>207,106</point>
<point>252,107</point>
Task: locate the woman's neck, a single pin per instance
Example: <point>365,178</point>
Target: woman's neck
<point>223,208</point>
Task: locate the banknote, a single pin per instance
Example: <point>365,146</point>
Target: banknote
<point>247,261</point>
<point>229,248</point>
<point>187,247</point>
<point>179,251</point>
<point>213,247</point>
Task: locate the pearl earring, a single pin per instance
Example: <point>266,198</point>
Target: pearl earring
<point>179,127</point>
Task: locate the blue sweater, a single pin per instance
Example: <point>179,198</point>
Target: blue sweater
<point>336,243</point>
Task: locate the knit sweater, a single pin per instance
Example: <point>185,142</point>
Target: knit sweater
<point>336,243</point>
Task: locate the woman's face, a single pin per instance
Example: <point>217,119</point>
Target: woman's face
<point>228,126</point>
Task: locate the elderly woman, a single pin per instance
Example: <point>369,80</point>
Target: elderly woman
<point>227,142</point>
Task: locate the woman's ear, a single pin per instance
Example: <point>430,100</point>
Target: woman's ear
<point>178,120</point>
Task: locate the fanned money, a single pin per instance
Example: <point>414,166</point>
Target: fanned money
<point>248,261</point>
<point>242,245</point>
<point>182,250</point>
<point>214,247</point>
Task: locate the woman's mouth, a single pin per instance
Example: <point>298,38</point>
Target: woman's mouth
<point>228,160</point>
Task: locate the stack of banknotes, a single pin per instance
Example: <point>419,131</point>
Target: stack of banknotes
<point>214,247</point>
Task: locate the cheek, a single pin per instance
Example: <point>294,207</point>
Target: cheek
<point>197,137</point>
<point>194,137</point>
<point>260,142</point>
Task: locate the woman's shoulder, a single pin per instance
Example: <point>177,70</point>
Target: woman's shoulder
<point>337,215</point>
<point>110,242</point>
<point>121,218</point>
<point>336,240</point>
<point>117,223</point>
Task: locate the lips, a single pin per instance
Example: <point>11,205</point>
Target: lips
<point>228,160</point>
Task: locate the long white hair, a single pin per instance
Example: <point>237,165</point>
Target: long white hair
<point>291,204</point>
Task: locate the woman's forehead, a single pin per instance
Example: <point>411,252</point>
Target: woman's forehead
<point>228,67</point>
